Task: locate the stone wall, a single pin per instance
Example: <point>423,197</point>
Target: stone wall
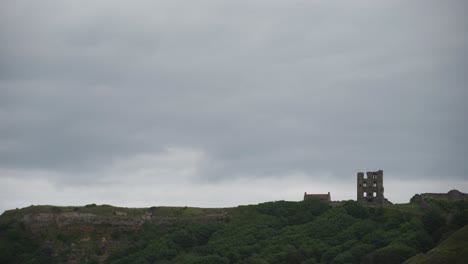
<point>453,195</point>
<point>370,188</point>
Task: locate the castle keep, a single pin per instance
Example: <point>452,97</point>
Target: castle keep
<point>370,188</point>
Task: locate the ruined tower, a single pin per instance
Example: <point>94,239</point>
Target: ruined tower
<point>370,188</point>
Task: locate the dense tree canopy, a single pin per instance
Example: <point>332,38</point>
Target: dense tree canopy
<point>291,232</point>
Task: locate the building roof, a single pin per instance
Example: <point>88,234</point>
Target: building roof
<point>318,196</point>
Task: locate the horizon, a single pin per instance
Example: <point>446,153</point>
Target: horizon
<point>130,207</point>
<point>128,204</point>
<point>221,103</point>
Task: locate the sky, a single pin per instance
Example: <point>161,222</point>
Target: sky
<point>223,103</point>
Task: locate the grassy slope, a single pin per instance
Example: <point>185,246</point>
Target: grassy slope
<point>453,250</point>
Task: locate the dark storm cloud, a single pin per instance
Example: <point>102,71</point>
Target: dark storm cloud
<point>261,89</point>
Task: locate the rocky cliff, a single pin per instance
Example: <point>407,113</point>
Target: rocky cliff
<point>92,233</point>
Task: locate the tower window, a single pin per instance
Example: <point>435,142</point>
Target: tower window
<point>364,194</point>
<point>374,194</point>
<point>374,184</point>
<point>364,185</point>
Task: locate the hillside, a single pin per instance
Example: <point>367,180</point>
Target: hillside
<point>453,250</point>
<point>275,232</point>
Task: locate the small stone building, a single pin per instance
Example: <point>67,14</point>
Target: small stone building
<point>370,189</point>
<point>321,197</point>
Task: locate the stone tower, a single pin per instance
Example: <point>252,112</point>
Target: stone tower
<point>370,188</point>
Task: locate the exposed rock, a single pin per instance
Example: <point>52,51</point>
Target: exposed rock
<point>97,235</point>
<point>121,213</point>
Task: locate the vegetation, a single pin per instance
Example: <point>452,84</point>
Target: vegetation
<point>453,250</point>
<point>17,246</point>
<point>273,232</point>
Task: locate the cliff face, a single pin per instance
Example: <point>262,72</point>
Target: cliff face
<point>43,222</point>
<point>92,233</point>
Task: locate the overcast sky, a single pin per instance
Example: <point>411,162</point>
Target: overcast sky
<point>221,103</point>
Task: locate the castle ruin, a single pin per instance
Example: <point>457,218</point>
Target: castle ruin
<point>370,188</point>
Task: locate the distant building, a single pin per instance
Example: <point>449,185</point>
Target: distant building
<point>370,188</point>
<point>321,197</point>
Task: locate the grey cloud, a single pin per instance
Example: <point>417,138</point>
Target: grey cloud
<point>263,88</point>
